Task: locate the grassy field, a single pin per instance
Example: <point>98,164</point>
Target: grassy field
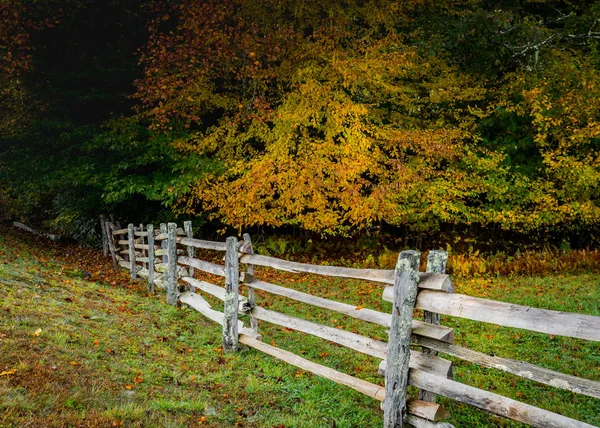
<point>81,345</point>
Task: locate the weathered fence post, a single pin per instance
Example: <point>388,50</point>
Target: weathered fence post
<point>251,297</point>
<point>141,239</point>
<point>131,244</point>
<point>111,244</point>
<point>398,353</point>
<point>150,230</point>
<point>104,236</point>
<point>187,227</point>
<point>163,244</point>
<point>436,263</point>
<point>230,322</point>
<point>172,289</point>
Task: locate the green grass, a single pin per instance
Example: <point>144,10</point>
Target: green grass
<point>111,354</point>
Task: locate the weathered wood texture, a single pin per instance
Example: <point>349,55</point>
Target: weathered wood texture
<point>491,402</point>
<point>370,315</point>
<point>395,413</point>
<point>250,274</point>
<point>509,315</point>
<point>120,231</point>
<point>131,247</point>
<point>431,281</point>
<point>172,289</point>
<point>111,245</point>
<point>202,265</point>
<point>104,236</point>
<point>150,229</point>
<point>351,340</point>
<point>164,244</point>
<point>187,227</point>
<point>436,263</point>
<point>519,368</point>
<point>230,307</point>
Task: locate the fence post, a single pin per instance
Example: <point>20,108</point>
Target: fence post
<point>172,289</point>
<point>104,236</point>
<point>396,376</point>
<point>131,244</point>
<point>141,239</point>
<point>187,227</point>
<point>111,243</point>
<point>163,244</point>
<point>436,263</point>
<point>230,322</point>
<point>150,230</point>
<point>251,297</point>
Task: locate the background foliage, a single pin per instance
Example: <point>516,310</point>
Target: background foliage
<point>329,118</point>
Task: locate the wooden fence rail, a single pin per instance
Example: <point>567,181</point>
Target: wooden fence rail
<point>405,287</point>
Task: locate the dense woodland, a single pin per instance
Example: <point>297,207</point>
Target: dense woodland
<point>338,119</point>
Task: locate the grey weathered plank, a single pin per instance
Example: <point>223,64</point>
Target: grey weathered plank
<point>250,273</point>
<point>436,263</point>
<point>111,245</point>
<point>510,315</point>
<point>493,403</point>
<point>172,289</point>
<point>369,315</point>
<point>187,227</point>
<point>202,265</point>
<point>519,368</point>
<point>150,232</point>
<point>230,307</point>
<point>395,413</point>
<point>131,247</point>
<point>430,281</point>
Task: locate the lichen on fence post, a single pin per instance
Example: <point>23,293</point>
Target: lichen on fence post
<point>172,289</point>
<point>398,353</point>
<point>131,245</point>
<point>230,310</point>
<point>150,230</point>
<point>436,263</point>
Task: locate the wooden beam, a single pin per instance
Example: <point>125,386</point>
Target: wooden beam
<point>230,309</point>
<point>518,368</point>
<point>187,227</point>
<point>395,412</point>
<point>436,263</point>
<point>202,265</point>
<point>150,232</point>
<point>490,402</point>
<point>131,246</point>
<point>509,315</point>
<point>172,289</point>
<point>369,315</point>
<point>430,281</point>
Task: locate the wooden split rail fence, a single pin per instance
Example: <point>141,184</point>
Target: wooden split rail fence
<point>410,357</point>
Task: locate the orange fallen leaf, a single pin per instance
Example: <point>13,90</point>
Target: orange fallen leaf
<point>202,419</point>
<point>74,363</point>
<point>138,378</point>
<point>358,308</point>
<point>117,423</point>
<point>128,387</point>
<point>8,372</point>
<point>96,342</point>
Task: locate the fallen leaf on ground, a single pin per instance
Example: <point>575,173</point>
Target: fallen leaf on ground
<point>37,332</point>
<point>8,372</point>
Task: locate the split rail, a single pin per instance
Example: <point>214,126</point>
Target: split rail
<point>410,357</point>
